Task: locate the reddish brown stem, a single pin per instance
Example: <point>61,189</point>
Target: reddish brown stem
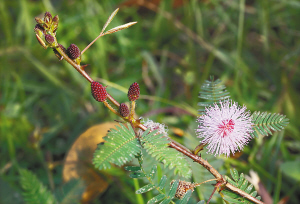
<point>76,66</point>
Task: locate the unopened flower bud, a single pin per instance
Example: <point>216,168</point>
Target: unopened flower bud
<point>98,91</point>
<point>133,92</point>
<point>73,51</point>
<point>41,41</point>
<point>49,39</point>
<point>48,17</point>
<point>124,110</point>
<point>38,20</point>
<point>55,19</point>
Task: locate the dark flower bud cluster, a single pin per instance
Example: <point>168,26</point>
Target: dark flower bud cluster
<point>133,92</point>
<point>45,30</point>
<point>98,91</point>
<point>124,110</point>
<point>74,53</point>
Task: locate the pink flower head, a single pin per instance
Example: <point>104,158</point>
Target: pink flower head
<point>225,127</point>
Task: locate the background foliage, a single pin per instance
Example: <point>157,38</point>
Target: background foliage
<point>45,104</point>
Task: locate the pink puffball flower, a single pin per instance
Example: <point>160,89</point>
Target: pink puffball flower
<point>225,127</point>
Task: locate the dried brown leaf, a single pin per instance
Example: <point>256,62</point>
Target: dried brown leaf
<point>78,161</point>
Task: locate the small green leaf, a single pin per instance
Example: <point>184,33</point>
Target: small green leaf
<point>156,199</point>
<point>235,174</point>
<point>230,181</point>
<point>244,185</point>
<point>144,189</point>
<point>137,175</point>
<point>186,197</point>
<point>254,193</point>
<point>166,201</point>
<point>132,168</point>
<point>173,189</point>
<point>258,197</point>
<point>162,182</point>
<point>201,202</point>
<point>249,188</point>
<point>230,194</point>
<point>232,200</point>
<point>153,172</point>
<point>241,180</point>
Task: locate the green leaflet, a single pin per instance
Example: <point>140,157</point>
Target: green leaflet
<point>157,146</point>
<point>120,147</point>
<point>33,190</point>
<point>265,123</point>
<point>240,182</point>
<point>212,91</point>
<point>186,197</point>
<point>139,172</point>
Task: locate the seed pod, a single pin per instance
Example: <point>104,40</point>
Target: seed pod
<point>98,91</point>
<point>182,188</point>
<point>133,92</point>
<point>124,110</point>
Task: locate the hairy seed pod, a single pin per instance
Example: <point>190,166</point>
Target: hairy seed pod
<point>124,110</point>
<point>133,92</point>
<point>183,187</point>
<point>98,91</point>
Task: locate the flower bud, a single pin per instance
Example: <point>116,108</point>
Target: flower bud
<point>133,92</point>
<point>49,39</point>
<point>73,51</point>
<point>41,41</point>
<point>124,110</point>
<point>98,91</point>
<point>48,18</point>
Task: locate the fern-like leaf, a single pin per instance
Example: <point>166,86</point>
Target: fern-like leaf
<point>212,91</point>
<point>157,146</point>
<point>33,190</point>
<point>265,122</point>
<point>120,147</point>
<point>240,182</point>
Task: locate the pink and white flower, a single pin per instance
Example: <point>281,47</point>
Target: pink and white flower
<point>225,128</point>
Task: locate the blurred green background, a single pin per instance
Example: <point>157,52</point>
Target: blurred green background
<point>45,104</point>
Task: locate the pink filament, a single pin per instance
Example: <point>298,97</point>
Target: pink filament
<point>226,127</point>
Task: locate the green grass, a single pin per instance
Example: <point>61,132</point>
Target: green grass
<point>251,46</point>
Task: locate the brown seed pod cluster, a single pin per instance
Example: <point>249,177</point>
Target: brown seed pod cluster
<point>182,188</point>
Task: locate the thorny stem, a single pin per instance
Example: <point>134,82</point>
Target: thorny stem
<point>172,143</point>
<point>137,124</point>
<point>76,66</point>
